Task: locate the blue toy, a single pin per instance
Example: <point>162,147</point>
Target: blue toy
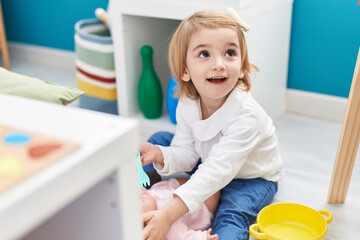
<point>171,101</point>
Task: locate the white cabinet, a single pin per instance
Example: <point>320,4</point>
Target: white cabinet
<point>139,22</point>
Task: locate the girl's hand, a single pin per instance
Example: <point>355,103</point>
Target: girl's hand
<point>211,237</point>
<point>150,153</point>
<point>157,225</point>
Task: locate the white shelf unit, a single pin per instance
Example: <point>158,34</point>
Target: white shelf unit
<point>152,22</point>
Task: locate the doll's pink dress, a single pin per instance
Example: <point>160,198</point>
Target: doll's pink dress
<point>188,227</point>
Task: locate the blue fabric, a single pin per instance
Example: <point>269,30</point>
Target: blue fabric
<point>240,202</point>
<point>164,139</point>
<point>159,138</point>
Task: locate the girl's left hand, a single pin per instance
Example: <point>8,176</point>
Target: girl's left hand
<point>157,225</point>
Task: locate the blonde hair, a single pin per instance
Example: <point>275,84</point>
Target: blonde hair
<point>180,40</point>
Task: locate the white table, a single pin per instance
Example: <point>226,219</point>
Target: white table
<point>108,145</point>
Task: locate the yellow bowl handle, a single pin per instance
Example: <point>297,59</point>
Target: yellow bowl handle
<point>327,213</point>
<point>254,232</point>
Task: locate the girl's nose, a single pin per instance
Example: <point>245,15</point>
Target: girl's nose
<point>218,64</point>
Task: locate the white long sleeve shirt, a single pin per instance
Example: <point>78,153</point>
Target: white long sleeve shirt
<point>237,141</point>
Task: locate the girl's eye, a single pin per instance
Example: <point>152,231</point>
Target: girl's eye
<point>203,54</point>
<point>230,53</point>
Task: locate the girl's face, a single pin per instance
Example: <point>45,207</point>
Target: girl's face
<point>213,63</point>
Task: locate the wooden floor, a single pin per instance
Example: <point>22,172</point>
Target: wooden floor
<point>308,146</point>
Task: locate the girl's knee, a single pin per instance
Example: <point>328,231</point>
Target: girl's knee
<point>230,225</point>
<point>161,138</point>
<point>238,218</point>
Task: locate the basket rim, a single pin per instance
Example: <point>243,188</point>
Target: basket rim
<point>91,37</point>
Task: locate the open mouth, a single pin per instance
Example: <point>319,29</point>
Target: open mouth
<point>216,79</point>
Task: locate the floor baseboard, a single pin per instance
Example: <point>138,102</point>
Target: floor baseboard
<point>45,56</point>
<point>316,105</point>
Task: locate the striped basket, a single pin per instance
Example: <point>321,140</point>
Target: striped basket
<point>94,50</point>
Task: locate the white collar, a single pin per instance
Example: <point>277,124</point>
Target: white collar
<point>207,129</point>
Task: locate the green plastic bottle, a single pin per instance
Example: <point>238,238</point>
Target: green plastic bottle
<point>149,88</point>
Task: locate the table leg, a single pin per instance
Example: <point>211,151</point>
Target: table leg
<point>348,144</point>
<point>129,200</point>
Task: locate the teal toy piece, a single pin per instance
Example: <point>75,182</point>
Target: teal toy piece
<point>149,88</point>
<point>17,138</point>
<point>171,101</point>
<point>143,177</point>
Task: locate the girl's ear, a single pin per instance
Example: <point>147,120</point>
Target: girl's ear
<point>186,76</point>
<point>241,75</point>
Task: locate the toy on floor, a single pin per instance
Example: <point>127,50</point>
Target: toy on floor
<point>24,153</point>
<point>291,221</point>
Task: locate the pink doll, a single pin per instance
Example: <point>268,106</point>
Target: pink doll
<point>188,227</point>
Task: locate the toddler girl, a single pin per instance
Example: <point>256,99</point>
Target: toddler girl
<point>219,122</point>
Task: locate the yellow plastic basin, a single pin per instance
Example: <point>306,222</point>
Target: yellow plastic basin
<point>290,221</point>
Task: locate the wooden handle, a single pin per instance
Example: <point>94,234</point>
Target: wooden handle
<point>101,14</point>
<point>348,144</point>
<point>3,43</point>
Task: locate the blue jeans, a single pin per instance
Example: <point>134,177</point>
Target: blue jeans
<point>240,202</point>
